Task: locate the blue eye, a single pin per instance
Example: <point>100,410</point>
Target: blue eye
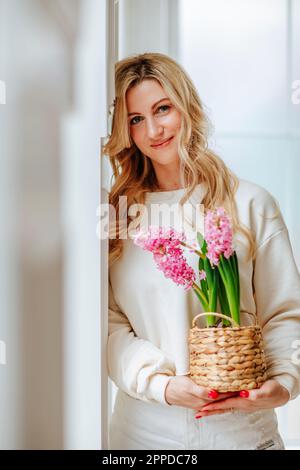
<point>133,123</point>
<point>164,106</point>
<point>160,107</point>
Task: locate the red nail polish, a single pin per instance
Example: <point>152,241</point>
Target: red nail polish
<point>197,417</point>
<point>213,394</point>
<point>244,393</point>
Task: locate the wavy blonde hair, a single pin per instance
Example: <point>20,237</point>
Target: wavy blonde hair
<point>133,172</point>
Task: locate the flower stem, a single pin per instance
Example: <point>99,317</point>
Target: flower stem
<point>193,249</point>
<point>201,296</point>
<point>210,319</point>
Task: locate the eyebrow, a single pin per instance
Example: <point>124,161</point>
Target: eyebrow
<point>153,106</point>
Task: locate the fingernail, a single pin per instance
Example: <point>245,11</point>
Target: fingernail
<point>197,417</point>
<point>213,394</point>
<point>244,393</point>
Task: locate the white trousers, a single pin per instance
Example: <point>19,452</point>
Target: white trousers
<point>136,424</point>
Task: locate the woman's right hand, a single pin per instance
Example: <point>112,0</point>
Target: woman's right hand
<point>181,390</point>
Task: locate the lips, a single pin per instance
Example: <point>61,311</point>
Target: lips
<point>163,142</point>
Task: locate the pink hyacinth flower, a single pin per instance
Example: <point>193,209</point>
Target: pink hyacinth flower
<point>164,244</point>
<point>218,235</point>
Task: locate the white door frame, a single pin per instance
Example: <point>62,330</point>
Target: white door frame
<point>112,21</point>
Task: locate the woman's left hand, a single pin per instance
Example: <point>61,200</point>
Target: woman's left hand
<point>270,395</point>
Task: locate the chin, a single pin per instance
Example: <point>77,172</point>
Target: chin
<point>165,159</point>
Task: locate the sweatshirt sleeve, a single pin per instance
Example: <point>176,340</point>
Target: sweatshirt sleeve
<point>276,283</point>
<point>135,365</point>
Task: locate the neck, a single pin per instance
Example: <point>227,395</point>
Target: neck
<point>168,178</point>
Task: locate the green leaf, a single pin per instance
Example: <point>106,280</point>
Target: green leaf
<point>223,302</point>
<point>202,299</point>
<point>200,239</point>
<point>211,283</point>
<point>203,282</point>
<point>209,275</point>
<point>230,287</point>
<point>200,264</point>
<point>235,259</point>
<point>213,292</point>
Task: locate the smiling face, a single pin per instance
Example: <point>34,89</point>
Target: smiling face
<point>152,119</point>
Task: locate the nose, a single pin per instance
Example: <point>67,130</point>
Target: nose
<point>154,130</point>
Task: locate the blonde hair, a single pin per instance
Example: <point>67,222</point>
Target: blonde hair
<point>133,172</point>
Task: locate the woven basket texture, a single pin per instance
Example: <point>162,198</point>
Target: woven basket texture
<point>227,359</point>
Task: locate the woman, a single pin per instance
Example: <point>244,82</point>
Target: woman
<point>159,155</point>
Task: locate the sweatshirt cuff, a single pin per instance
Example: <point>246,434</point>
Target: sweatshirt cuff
<point>288,382</point>
<point>157,387</point>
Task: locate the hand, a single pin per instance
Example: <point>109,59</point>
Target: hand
<point>183,391</point>
<point>270,395</point>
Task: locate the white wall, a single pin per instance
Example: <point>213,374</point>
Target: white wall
<point>36,65</point>
<point>148,27</point>
<point>81,132</point>
<point>53,61</point>
<point>10,372</point>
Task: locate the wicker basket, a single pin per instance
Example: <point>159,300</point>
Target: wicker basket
<point>227,359</point>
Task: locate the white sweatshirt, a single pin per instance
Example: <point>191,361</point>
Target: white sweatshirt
<point>150,316</point>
